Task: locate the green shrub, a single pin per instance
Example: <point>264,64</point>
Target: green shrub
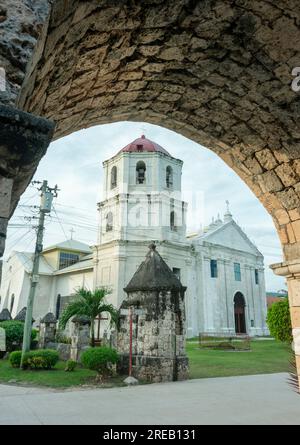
<point>14,334</point>
<point>39,359</point>
<point>99,359</point>
<point>70,365</point>
<point>15,359</point>
<point>279,321</point>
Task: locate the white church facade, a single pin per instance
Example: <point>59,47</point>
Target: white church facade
<point>221,267</point>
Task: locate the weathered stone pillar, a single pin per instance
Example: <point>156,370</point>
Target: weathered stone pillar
<point>80,336</point>
<point>155,298</point>
<point>24,139</point>
<point>47,330</point>
<point>291,270</point>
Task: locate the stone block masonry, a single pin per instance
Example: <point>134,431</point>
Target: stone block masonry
<point>156,300</point>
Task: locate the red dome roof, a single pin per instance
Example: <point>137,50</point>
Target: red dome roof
<point>143,144</point>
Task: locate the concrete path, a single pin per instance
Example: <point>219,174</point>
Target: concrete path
<point>260,399</point>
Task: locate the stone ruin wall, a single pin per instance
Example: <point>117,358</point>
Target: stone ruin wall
<point>154,335</point>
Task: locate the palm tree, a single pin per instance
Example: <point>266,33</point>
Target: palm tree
<point>90,304</point>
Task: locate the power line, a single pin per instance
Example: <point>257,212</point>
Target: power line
<point>61,226</point>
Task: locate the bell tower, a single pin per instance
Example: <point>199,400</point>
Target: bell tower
<point>142,195</point>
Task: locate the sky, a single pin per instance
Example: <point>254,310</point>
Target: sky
<point>74,163</point>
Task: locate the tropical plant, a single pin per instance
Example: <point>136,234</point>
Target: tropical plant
<point>99,359</point>
<point>90,304</point>
<point>279,321</point>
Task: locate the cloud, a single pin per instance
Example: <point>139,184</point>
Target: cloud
<point>75,164</point>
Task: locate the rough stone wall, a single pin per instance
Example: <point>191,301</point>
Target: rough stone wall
<point>158,337</point>
<point>47,333</point>
<point>218,72</point>
<point>63,349</point>
<point>23,29</point>
<point>80,339</point>
<point>24,139</point>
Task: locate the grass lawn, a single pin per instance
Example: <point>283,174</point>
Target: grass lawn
<point>55,378</point>
<point>266,356</point>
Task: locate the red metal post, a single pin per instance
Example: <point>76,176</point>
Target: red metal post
<point>130,342</point>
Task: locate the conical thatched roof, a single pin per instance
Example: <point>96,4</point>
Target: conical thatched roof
<point>153,274</point>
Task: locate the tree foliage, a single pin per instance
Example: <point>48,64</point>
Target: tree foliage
<point>279,321</point>
<point>90,304</point>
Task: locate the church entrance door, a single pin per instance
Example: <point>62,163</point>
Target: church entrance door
<point>239,313</point>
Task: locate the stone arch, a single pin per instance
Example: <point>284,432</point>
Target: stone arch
<point>216,72</point>
<point>223,85</point>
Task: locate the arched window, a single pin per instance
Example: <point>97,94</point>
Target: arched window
<point>109,222</point>
<point>140,172</point>
<point>173,221</point>
<point>113,177</point>
<point>58,303</point>
<point>239,313</point>
<point>12,300</point>
<point>169,177</point>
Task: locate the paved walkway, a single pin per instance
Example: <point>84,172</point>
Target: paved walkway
<point>260,399</point>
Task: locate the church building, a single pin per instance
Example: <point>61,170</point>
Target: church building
<point>142,203</point>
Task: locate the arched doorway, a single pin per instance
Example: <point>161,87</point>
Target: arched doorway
<point>239,313</point>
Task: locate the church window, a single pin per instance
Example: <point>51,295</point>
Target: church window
<point>237,272</point>
<point>176,272</point>
<point>113,177</point>
<point>66,259</point>
<point>213,268</point>
<point>169,177</point>
<point>256,276</point>
<point>109,222</point>
<point>140,172</point>
<point>58,303</point>
<point>12,302</point>
<point>173,221</point>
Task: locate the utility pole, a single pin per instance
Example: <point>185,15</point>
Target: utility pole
<point>47,195</point>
